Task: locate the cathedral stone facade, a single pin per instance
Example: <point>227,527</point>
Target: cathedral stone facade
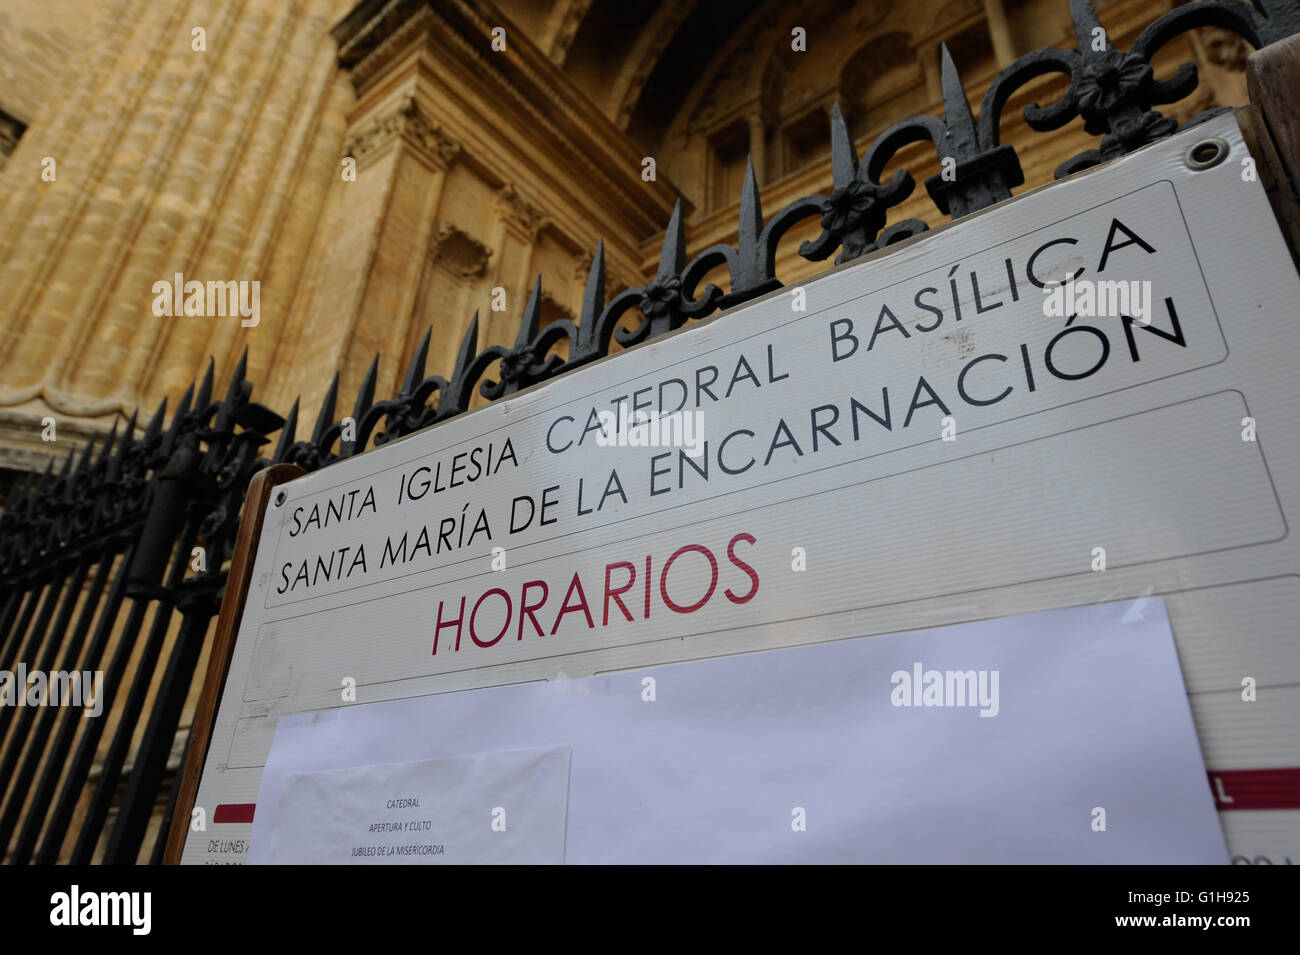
<point>386,166</point>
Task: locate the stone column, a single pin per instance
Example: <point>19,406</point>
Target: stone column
<point>1004,48</point>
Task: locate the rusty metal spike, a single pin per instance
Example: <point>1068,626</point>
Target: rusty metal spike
<point>751,215</point>
<point>366,394</point>
<point>45,483</point>
<point>673,255</point>
<point>958,118</point>
<point>844,154</point>
<point>128,437</point>
<point>237,379</point>
<point>182,409</point>
<point>87,453</point>
<point>174,430</point>
<point>156,422</point>
<point>593,297</point>
<point>106,448</point>
<point>205,389</point>
<point>325,417</point>
<point>287,433</point>
<point>468,348</point>
<point>415,370</point>
<point>531,319</point>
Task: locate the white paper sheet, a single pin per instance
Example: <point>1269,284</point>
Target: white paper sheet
<point>504,807</point>
<point>808,755</point>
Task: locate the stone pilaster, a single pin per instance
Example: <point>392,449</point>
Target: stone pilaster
<point>535,156</point>
<point>514,235</point>
<point>376,229</point>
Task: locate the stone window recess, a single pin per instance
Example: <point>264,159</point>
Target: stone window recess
<point>807,140</point>
<point>972,52</point>
<point>11,130</point>
<point>729,149</point>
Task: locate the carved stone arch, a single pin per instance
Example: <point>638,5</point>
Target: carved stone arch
<point>767,22</point>
<point>562,26</point>
<point>869,73</point>
<point>649,48</point>
<point>774,44</point>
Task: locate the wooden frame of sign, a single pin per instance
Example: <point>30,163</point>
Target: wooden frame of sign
<point>260,490</point>
<point>1271,126</point>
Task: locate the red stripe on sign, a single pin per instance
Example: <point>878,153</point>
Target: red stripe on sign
<point>234,812</point>
<point>1256,788</point>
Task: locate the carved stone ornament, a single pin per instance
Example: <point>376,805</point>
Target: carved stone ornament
<point>459,253</point>
<point>409,122</point>
<point>519,212</point>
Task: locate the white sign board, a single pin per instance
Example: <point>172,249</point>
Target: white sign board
<point>936,439</point>
<point>958,744</point>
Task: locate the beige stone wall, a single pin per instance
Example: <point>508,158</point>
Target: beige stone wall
<point>475,169</point>
<point>41,42</point>
<point>167,160</point>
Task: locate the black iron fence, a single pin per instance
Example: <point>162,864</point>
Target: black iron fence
<point>119,554</point>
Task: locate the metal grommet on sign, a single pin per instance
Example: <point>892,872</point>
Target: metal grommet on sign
<point>1206,153</point>
<point>279,498</point>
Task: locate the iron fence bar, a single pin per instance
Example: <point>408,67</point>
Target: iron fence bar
<point>47,649</point>
<point>69,724</point>
<point>127,714</point>
<point>126,468</point>
<point>35,638</point>
<point>164,830</point>
<point>130,710</point>
<point>21,790</point>
<point>14,598</point>
<point>84,759</point>
<point>155,746</point>
<point>34,597</point>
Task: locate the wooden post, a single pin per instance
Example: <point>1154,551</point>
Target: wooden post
<point>1273,81</point>
<point>1271,126</point>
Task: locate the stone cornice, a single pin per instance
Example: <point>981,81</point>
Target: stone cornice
<point>522,80</point>
<point>368,24</point>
